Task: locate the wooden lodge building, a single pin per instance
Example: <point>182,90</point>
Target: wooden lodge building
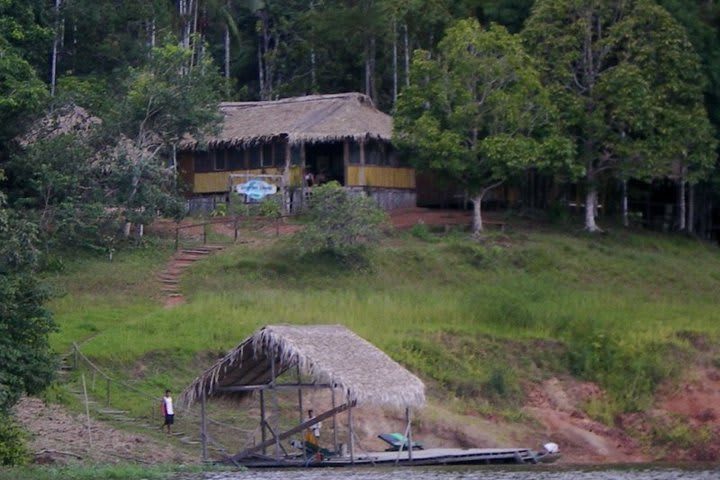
<point>298,143</point>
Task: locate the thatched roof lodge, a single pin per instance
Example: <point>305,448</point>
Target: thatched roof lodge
<point>310,119</point>
<point>341,137</point>
<point>318,356</point>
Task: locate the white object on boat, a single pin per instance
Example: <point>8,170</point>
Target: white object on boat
<point>551,447</point>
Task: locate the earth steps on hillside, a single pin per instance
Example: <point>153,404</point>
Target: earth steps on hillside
<point>170,277</point>
<point>100,412</point>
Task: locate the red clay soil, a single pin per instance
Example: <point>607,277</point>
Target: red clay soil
<point>408,217</point>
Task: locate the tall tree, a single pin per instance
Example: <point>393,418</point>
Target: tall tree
<point>163,102</point>
<point>610,66</point>
<point>477,113</point>
<point>26,362</point>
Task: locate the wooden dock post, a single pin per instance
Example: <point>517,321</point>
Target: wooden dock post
<point>351,434</point>
<point>262,420</point>
<point>276,405</point>
<point>334,417</point>
<point>408,420</point>
<point>203,426</point>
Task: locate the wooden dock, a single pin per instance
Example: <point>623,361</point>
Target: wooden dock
<point>433,456</point>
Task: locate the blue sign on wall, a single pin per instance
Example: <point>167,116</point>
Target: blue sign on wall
<point>256,189</point>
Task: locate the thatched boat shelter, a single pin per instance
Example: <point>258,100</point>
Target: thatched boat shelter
<point>304,141</point>
<point>318,356</point>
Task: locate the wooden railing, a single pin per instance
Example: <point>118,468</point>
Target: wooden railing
<point>238,222</point>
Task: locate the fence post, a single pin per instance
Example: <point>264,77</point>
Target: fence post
<point>235,225</point>
<point>107,393</point>
<point>75,356</point>
<point>205,229</point>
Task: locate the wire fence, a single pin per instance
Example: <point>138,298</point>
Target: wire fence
<point>223,436</point>
<point>226,229</point>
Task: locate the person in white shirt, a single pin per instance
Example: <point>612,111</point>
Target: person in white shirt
<point>168,411</point>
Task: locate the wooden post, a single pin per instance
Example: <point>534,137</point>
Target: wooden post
<point>203,427</point>
<point>346,162</point>
<point>303,172</point>
<point>276,405</point>
<point>87,413</point>
<point>408,420</point>
<point>300,409</point>
<point>262,419</point>
<point>361,168</point>
<point>335,439</point>
<point>351,434</point>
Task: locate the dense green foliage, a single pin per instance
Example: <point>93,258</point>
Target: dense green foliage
<point>476,113</point>
<point>648,77</point>
<point>26,365</point>
<point>12,443</point>
<point>627,82</point>
<point>339,222</point>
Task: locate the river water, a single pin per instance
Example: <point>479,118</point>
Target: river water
<point>478,473</point>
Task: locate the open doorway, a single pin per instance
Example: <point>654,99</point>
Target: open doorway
<point>325,162</point>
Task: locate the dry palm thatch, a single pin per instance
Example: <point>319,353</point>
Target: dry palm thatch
<point>68,119</point>
<point>309,119</point>
<point>328,354</point>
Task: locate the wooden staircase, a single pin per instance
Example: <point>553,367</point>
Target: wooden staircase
<point>170,277</point>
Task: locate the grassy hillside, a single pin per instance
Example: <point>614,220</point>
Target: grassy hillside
<point>475,320</point>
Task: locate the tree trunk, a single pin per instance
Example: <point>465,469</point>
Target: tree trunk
<point>227,48</point>
<point>56,41</point>
<point>625,217</point>
<point>477,225</point>
<point>681,205</point>
<point>407,54</point>
<point>313,60</point>
<point>691,209</point>
<point>395,62</point>
<point>261,71</point>
<point>591,197</point>
<point>153,33</point>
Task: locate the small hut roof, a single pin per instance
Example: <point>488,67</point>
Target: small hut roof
<point>308,119</point>
<point>329,354</point>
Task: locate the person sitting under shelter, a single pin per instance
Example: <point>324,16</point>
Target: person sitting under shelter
<point>312,434</point>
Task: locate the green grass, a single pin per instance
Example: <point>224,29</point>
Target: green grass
<point>476,320</point>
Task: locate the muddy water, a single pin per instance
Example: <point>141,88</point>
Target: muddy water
<point>477,473</point>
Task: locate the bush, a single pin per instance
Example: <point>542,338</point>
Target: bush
<point>340,222</point>
<point>12,443</point>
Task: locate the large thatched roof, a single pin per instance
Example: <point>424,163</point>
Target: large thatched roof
<point>328,354</point>
<point>309,119</point>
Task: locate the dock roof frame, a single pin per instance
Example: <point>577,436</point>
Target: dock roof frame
<point>330,356</point>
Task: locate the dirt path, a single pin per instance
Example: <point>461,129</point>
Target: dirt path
<point>60,437</point>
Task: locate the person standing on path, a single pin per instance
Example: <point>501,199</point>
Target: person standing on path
<point>168,411</point>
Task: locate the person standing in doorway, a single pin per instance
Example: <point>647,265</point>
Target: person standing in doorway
<point>168,411</point>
